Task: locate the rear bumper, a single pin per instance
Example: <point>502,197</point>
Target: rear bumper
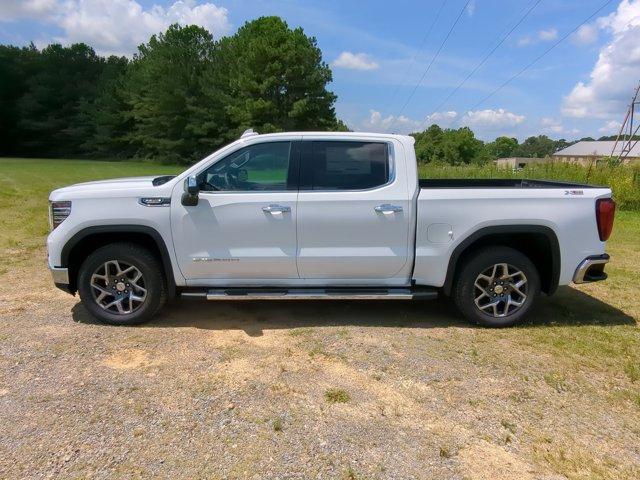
<point>591,269</point>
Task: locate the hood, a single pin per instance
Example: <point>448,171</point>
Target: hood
<point>134,185</point>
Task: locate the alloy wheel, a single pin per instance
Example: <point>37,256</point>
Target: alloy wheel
<point>118,287</point>
<point>500,290</point>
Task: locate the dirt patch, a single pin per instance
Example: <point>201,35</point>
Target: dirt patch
<point>128,360</point>
<point>484,461</point>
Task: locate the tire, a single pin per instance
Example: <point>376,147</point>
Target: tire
<point>112,291</point>
<point>488,296</point>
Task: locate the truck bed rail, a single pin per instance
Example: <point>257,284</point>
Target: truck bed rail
<point>497,183</point>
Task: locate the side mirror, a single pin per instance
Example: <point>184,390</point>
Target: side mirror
<point>191,190</point>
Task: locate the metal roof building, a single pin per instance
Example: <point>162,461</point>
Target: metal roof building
<point>518,162</point>
<point>587,151</point>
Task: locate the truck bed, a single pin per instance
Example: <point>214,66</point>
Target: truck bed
<point>497,183</point>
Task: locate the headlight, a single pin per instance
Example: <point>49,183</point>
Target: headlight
<point>58,211</point>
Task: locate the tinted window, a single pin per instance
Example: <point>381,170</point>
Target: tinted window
<point>349,165</point>
<point>263,166</point>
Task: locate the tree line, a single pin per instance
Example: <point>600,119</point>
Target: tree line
<point>182,95</point>
<point>460,146</point>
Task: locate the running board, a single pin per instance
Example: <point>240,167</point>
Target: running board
<point>313,294</point>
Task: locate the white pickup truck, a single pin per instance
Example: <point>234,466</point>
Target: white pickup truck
<point>323,216</point>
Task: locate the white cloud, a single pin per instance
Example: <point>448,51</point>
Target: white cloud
<point>586,34</point>
<point>616,72</point>
<point>402,124</point>
<point>16,9</point>
<point>484,122</point>
<point>441,118</point>
<point>555,126</point>
<point>552,125</point>
<point>354,61</point>
<point>524,41</point>
<point>117,26</point>
<point>611,127</point>
<point>548,35</point>
<point>491,119</point>
<point>471,8</point>
<point>541,36</point>
<point>390,124</point>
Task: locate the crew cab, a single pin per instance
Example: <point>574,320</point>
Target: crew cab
<point>324,216</point>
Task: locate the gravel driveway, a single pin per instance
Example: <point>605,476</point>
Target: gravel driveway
<point>302,390</point>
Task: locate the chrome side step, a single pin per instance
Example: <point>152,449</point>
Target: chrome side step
<point>313,294</point>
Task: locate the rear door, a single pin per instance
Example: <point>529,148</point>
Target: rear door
<point>353,214</point>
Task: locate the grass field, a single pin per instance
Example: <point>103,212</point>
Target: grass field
<point>324,388</point>
<point>24,189</point>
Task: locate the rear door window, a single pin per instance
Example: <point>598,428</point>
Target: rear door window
<point>341,165</point>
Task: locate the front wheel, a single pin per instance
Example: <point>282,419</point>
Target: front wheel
<point>496,287</point>
<point>122,284</point>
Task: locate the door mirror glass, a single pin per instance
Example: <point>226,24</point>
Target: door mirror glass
<point>191,190</point>
<point>191,185</point>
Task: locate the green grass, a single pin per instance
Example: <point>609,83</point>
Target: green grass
<point>25,184</point>
<point>336,395</point>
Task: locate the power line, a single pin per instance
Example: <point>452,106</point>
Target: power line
<point>435,56</point>
<point>535,60</point>
<point>415,56</point>
<point>484,60</point>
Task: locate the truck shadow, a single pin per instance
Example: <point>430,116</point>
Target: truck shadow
<point>567,307</point>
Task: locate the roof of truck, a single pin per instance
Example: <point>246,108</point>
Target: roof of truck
<point>250,134</point>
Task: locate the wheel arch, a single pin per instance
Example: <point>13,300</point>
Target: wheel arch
<point>538,242</point>
<point>89,239</point>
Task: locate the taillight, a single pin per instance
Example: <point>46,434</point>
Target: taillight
<point>605,211</point>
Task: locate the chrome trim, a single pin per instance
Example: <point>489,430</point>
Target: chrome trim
<point>391,159</point>
<point>155,201</point>
<point>587,263</point>
<point>316,294</point>
<point>275,208</point>
<point>60,275</point>
<point>311,294</point>
<point>194,295</point>
<point>388,208</point>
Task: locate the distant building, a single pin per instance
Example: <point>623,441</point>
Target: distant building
<point>586,152</point>
<point>518,162</point>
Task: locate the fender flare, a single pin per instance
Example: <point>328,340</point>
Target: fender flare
<point>101,229</point>
<point>549,234</point>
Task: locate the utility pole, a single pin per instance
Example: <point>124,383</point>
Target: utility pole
<point>626,135</point>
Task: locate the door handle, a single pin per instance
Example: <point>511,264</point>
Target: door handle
<point>388,208</point>
<point>273,208</point>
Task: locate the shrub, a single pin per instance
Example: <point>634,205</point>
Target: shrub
<point>336,395</point>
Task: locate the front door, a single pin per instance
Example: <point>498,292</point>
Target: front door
<point>353,214</point>
<point>243,229</point>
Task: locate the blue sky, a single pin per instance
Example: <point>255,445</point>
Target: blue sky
<point>379,50</point>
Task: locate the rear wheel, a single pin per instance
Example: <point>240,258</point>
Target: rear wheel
<point>122,284</point>
<point>496,287</point>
